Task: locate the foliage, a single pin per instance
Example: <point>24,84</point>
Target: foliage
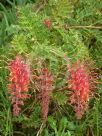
<point>52,36</point>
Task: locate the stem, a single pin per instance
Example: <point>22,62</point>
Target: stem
<point>40,130</point>
<point>83,27</point>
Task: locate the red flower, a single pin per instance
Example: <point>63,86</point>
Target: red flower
<point>19,81</point>
<point>46,88</point>
<point>47,23</point>
<point>79,83</point>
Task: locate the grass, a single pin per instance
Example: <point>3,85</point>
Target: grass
<point>23,32</point>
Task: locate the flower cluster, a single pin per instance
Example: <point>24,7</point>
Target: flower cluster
<point>46,88</point>
<point>47,23</point>
<point>19,81</point>
<point>79,83</point>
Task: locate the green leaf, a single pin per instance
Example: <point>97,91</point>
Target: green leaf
<point>60,97</point>
<point>52,122</point>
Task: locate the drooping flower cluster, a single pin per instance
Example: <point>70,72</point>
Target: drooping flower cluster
<point>79,83</point>
<point>47,23</point>
<point>45,86</point>
<point>19,81</point>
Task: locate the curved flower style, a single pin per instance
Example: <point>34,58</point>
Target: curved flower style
<point>79,83</point>
<point>19,80</point>
<point>46,88</point>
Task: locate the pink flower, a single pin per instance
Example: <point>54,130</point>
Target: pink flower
<point>79,83</point>
<point>45,88</point>
<point>19,81</point>
<point>48,23</point>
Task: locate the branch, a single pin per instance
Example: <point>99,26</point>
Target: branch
<point>82,27</point>
<point>41,6</point>
<point>40,130</point>
<point>64,88</point>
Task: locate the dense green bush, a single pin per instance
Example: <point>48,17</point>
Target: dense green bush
<point>48,40</point>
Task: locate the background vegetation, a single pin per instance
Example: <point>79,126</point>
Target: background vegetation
<point>52,34</point>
